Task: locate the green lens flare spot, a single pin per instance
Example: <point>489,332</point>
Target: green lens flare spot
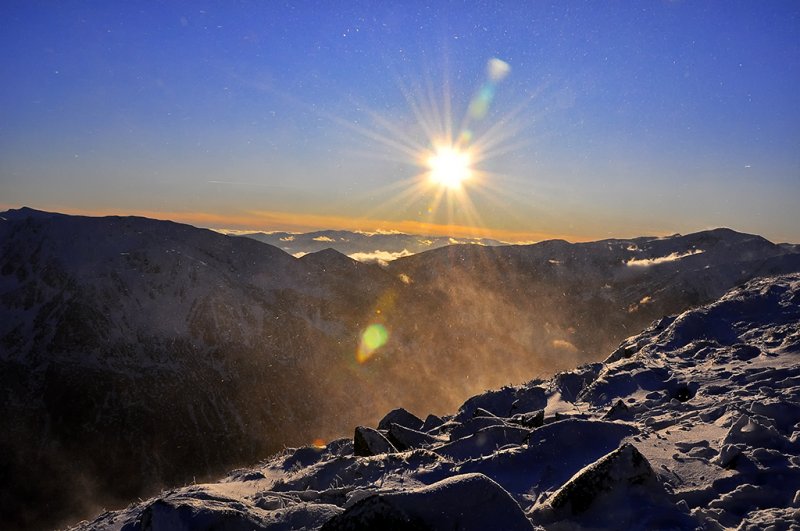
<point>372,338</point>
<point>375,336</point>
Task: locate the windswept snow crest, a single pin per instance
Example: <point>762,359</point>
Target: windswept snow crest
<point>692,424</point>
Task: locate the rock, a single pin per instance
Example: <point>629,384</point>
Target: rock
<point>367,441</point>
<point>745,352</point>
<point>785,415</point>
<point>431,422</point>
<point>375,512</point>
<point>528,400</point>
<point>467,502</point>
<point>402,417</point>
<point>534,419</point>
<point>343,446</point>
<point>750,432</point>
<point>483,442</point>
<point>405,438</point>
<point>622,467</point>
<point>504,402</point>
<point>620,490</point>
<point>681,391</point>
<point>480,412</point>
<point>472,425</point>
<point>571,383</point>
<point>191,514</point>
<point>728,454</point>
<point>618,411</point>
<point>303,457</point>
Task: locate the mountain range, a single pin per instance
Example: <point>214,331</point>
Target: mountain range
<point>379,247</point>
<point>137,353</point>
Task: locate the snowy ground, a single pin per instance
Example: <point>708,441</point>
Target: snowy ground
<point>692,424</point>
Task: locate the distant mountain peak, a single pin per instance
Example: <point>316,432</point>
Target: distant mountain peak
<point>329,255</point>
<point>722,232</point>
<point>27,212</point>
<point>330,259</point>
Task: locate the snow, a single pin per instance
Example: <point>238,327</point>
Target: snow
<point>646,262</point>
<point>709,407</point>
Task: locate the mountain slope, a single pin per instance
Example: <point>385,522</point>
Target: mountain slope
<point>110,326</point>
<point>566,304</point>
<point>694,423</point>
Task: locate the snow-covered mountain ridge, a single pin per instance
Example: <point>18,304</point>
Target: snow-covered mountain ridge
<point>362,246</point>
<point>692,424</point>
<point>109,326</point>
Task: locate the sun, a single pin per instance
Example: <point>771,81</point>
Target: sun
<point>449,167</point>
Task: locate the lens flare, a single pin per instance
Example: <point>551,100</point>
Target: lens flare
<point>372,338</point>
<point>497,69</point>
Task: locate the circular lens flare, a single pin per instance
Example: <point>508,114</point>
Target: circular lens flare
<point>450,166</point>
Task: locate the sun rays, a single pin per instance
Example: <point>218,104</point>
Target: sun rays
<point>446,151</point>
<point>439,157</point>
<point>446,159</point>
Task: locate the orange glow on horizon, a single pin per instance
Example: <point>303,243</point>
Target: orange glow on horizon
<point>270,221</point>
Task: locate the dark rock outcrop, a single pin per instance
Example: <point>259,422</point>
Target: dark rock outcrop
<point>402,417</point>
<point>405,438</point>
<point>367,441</point>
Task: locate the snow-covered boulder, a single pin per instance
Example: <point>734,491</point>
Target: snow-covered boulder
<point>504,402</point>
<point>467,502</point>
<point>203,509</point>
<point>468,427</point>
<point>405,438</point>
<point>750,432</point>
<point>619,490</point>
<point>484,442</point>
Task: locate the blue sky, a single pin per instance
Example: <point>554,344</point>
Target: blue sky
<point>616,119</point>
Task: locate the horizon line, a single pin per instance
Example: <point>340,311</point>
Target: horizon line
<point>276,221</point>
